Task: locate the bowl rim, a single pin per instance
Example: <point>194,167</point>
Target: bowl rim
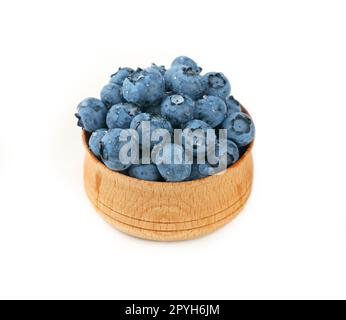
<point>179,184</point>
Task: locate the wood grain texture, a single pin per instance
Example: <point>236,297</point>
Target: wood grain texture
<point>166,211</point>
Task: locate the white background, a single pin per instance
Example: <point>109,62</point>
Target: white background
<point>287,64</point>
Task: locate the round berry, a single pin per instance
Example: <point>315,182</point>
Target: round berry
<point>110,150</point>
<point>211,110</point>
<point>147,172</point>
<point>201,132</point>
<point>195,173</point>
<point>144,87</point>
<point>111,94</point>
<point>170,163</point>
<point>145,124</point>
<point>187,82</point>
<point>94,141</point>
<point>217,84</point>
<point>233,105</point>
<point>119,77</point>
<point>178,109</point>
<point>186,61</point>
<point>91,114</point>
<point>121,115</point>
<point>240,128</point>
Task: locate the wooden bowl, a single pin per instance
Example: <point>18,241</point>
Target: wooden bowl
<point>165,211</point>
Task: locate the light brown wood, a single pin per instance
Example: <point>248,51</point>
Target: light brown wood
<point>166,211</point>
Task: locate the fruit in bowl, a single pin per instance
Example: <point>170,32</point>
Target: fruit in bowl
<point>135,97</point>
<point>168,151</point>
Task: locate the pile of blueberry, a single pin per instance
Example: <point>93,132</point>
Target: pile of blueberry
<point>177,98</point>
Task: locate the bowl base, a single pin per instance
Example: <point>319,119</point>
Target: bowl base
<point>170,231</point>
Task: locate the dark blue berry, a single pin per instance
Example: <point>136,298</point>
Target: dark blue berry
<point>145,172</point>
<point>171,163</point>
<point>121,115</point>
<point>186,81</point>
<point>211,110</point>
<point>154,122</point>
<point>111,94</point>
<point>240,128</point>
<point>186,61</point>
<point>217,85</point>
<point>119,77</point>
<point>94,141</point>
<point>233,105</point>
<point>91,114</point>
<point>178,109</point>
<point>110,149</point>
<point>144,87</point>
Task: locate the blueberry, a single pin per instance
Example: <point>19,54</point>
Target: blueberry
<point>218,164</point>
<point>168,77</point>
<point>206,170</point>
<point>170,163</point>
<point>178,109</point>
<point>145,172</point>
<point>155,122</point>
<point>186,61</point>
<point>111,94</point>
<point>121,115</point>
<point>119,77</point>
<point>94,141</point>
<point>200,136</point>
<point>155,108</point>
<point>240,128</point>
<point>211,110</point>
<point>110,147</point>
<point>91,114</point>
<point>232,152</point>
<point>233,105</point>
<point>158,122</point>
<point>160,69</point>
<point>136,122</point>
<point>197,124</point>
<point>144,87</point>
<point>217,84</point>
<point>186,81</point>
<point>195,173</point>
